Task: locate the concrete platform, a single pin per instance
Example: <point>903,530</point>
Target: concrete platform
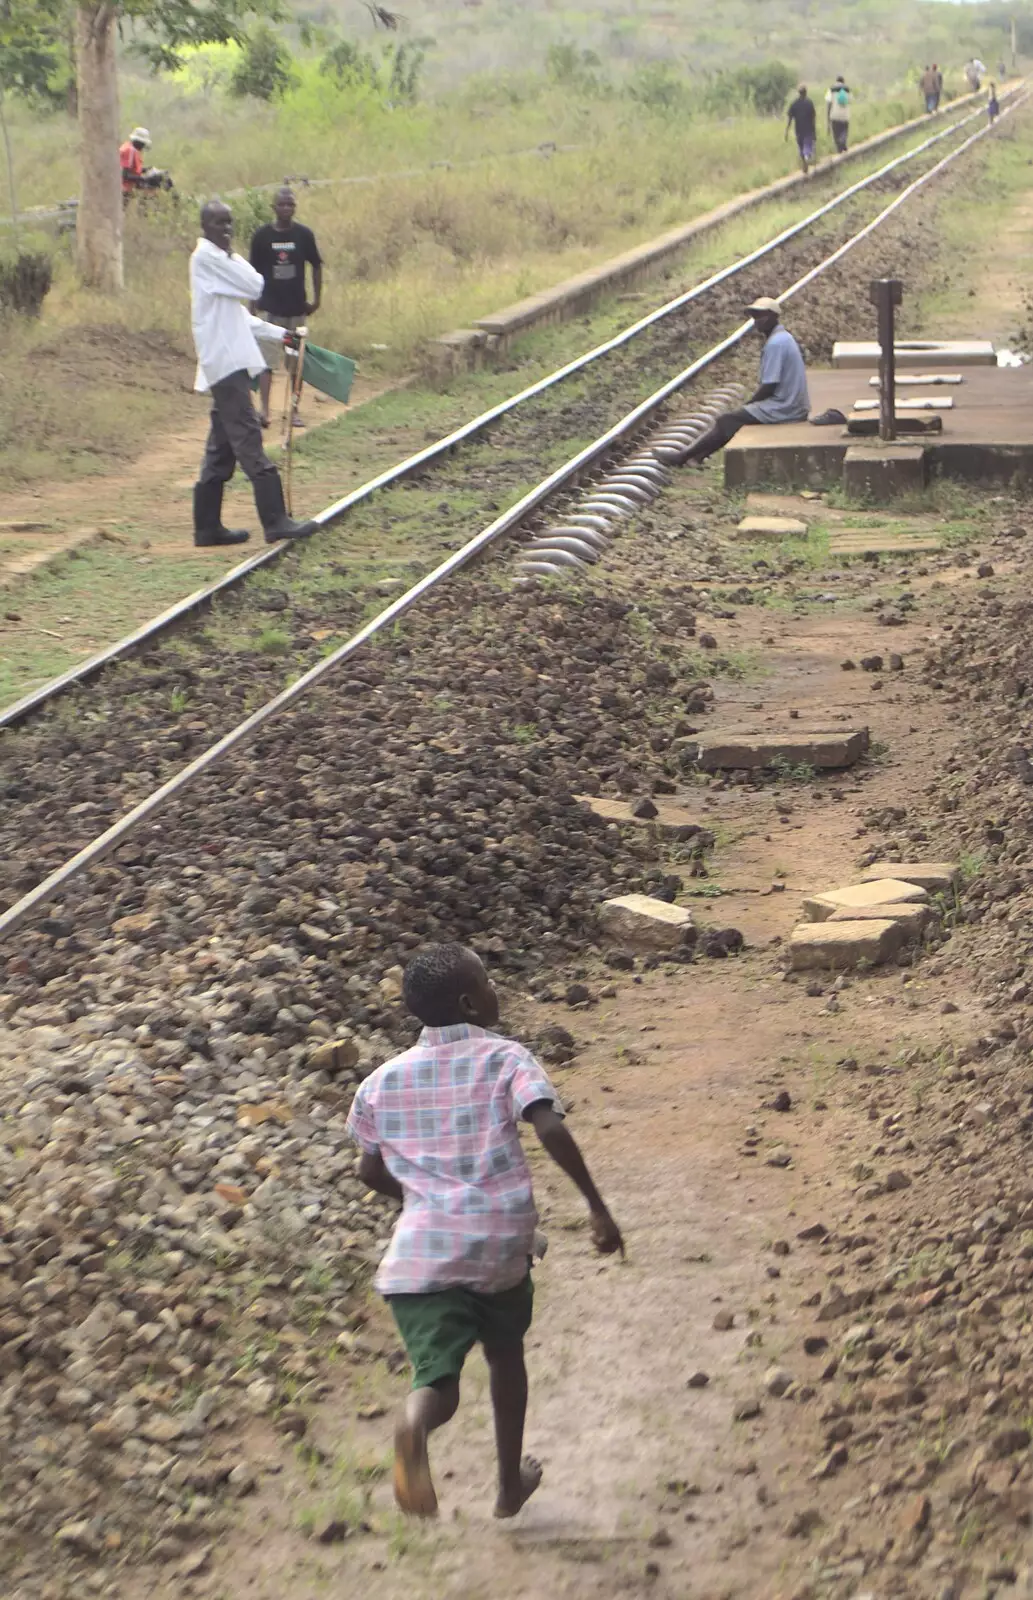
<point>987,437</point>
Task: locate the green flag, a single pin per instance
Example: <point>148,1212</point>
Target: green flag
<point>330,373</point>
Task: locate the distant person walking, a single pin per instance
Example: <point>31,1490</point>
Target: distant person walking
<point>993,105</point>
<point>781,395</point>
<point>837,114</point>
<point>938,75</point>
<point>927,84</point>
<point>803,118</point>
<point>280,251</point>
<point>974,74</point>
<point>226,339</point>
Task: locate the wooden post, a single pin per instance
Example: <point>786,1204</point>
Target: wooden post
<point>886,294</point>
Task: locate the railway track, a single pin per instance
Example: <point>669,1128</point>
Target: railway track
<point>140,818</point>
<point>182,1024</point>
<point>441,449</point>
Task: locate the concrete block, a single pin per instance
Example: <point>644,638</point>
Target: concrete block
<point>843,945</point>
<point>645,923</point>
<point>929,354</point>
<point>825,750</point>
<point>462,350</point>
<point>911,914</point>
<point>772,528</point>
<point>670,822</point>
<point>765,455</point>
<point>882,892</point>
<point>934,876</point>
<point>881,472</point>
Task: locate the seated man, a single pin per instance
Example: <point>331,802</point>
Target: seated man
<point>130,156</point>
<point>781,397</point>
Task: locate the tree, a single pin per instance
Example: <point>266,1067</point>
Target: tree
<point>265,70</point>
<point>165,27</point>
<point>31,43</point>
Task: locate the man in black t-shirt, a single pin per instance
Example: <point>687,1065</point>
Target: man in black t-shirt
<point>280,251</point>
<point>803,115</point>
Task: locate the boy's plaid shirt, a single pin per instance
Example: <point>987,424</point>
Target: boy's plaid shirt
<point>444,1118</point>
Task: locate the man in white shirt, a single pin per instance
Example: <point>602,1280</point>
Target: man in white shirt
<point>228,357</point>
<point>781,395</point>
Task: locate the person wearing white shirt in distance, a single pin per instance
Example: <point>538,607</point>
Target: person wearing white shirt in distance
<point>228,357</point>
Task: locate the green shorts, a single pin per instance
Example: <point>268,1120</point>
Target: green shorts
<point>440,1329</point>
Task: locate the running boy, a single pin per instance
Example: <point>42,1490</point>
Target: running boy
<point>437,1127</point>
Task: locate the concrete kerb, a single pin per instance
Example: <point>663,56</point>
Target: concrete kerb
<point>467,349</point>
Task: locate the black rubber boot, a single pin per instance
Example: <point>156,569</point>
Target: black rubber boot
<point>273,511</point>
<point>208,528</point>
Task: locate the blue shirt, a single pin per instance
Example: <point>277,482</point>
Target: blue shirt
<point>781,363</point>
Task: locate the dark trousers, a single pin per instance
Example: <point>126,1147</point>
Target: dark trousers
<point>725,427</point>
<point>235,435</point>
<point>840,131</point>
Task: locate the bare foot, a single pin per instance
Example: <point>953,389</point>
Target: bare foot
<point>530,1478</point>
<point>414,1487</point>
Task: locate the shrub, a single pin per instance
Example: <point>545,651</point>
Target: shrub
<point>25,280</point>
<point>762,89</point>
<point>265,70</point>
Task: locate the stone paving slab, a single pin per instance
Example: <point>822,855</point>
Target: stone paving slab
<point>856,542</point>
<point>772,528</point>
<point>15,567</point>
<point>843,945</point>
<point>935,876</point>
<point>647,924</point>
<point>911,914</point>
<point>670,822</point>
<point>745,750</point>
<point>881,892</point>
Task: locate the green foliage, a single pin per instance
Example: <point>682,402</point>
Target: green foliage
<point>578,69</point>
<point>34,57</point>
<point>660,87</point>
<point>762,89</point>
<point>171,26</point>
<point>393,79</point>
<point>25,280</point>
<point>265,70</point>
<point>349,66</point>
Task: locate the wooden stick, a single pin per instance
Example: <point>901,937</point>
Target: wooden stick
<point>293,395</point>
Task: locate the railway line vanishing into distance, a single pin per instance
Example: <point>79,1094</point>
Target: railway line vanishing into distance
<point>653,342</point>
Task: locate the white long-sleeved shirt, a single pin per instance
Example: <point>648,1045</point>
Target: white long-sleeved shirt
<point>225,333</point>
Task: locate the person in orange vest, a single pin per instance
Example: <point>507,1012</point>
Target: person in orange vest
<point>130,156</point>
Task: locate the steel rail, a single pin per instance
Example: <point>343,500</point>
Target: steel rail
<point>23,707</point>
<point>564,475</point>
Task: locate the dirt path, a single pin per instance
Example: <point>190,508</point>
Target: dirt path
<point>651,1485</point>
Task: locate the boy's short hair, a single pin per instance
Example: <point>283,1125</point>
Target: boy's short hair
<point>435,980</point>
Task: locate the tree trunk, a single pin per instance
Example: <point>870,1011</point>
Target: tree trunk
<point>72,101</point>
<point>11,180</point>
<point>99,220</point>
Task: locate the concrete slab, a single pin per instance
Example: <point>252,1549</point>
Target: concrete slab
<point>883,472</point>
<point>911,914</point>
<point>746,750</point>
<point>914,379</point>
<point>772,528</point>
<point>646,924</point>
<point>855,896</point>
<point>986,438</point>
<point>931,353</point>
<point>670,822</point>
<point>787,505</point>
<point>911,402</point>
<point>855,542</point>
<point>15,566</point>
<point>843,945</point>
<point>933,876</point>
